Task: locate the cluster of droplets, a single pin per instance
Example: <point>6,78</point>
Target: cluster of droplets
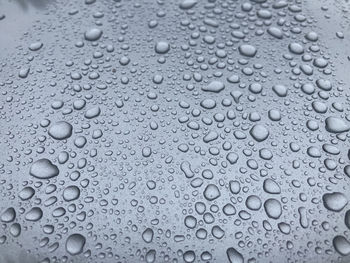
<point>181,131</point>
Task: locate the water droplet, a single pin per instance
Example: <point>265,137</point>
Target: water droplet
<point>43,169</point>
<point>93,34</point>
<point>75,244</point>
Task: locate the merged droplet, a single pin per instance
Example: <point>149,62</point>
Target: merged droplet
<point>336,125</point>
<point>214,86</point>
<point>43,169</point>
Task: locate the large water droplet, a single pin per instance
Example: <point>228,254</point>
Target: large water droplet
<point>43,169</point>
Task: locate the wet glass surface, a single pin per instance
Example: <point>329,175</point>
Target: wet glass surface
<point>174,131</point>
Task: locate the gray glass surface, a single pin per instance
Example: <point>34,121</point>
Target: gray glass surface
<point>174,131</point>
